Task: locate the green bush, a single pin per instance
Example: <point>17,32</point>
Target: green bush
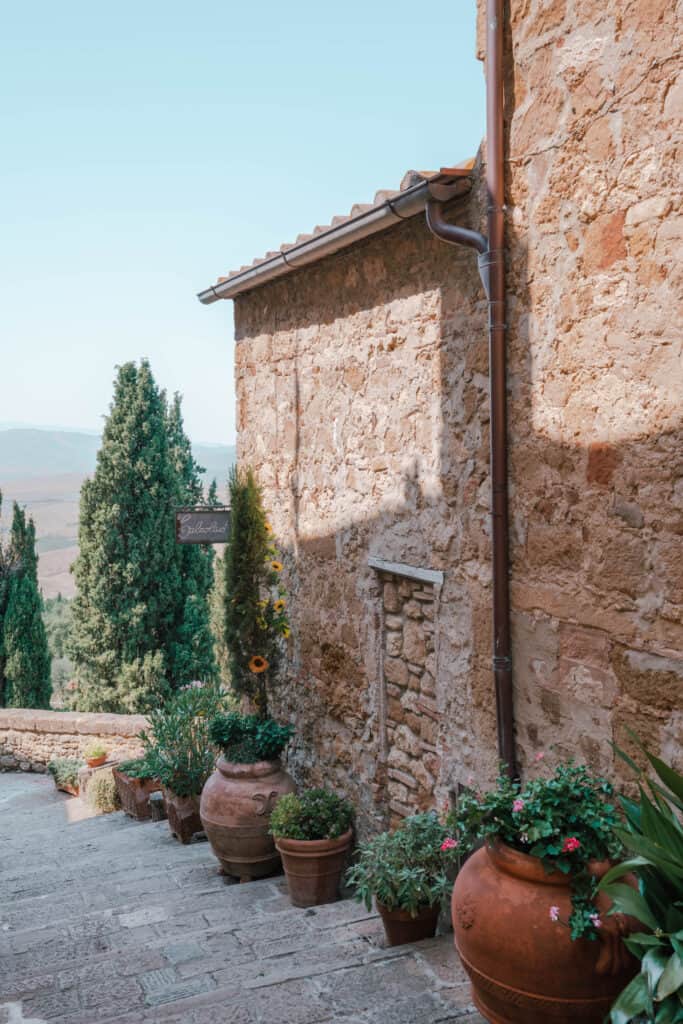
<point>313,814</point>
<point>406,869</point>
<point>137,768</point>
<point>178,748</point>
<point>245,739</point>
<point>64,770</point>
<point>101,792</point>
<point>566,821</point>
<point>653,836</point>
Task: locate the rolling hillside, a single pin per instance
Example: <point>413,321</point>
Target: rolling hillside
<point>44,469</point>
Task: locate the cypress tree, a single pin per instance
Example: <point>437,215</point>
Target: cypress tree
<point>134,611</point>
<point>25,654</point>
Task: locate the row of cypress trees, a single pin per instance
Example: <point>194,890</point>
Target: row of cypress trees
<point>140,619</point>
<point>24,655</point>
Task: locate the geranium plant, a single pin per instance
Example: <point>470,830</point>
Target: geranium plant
<point>566,821</point>
<point>311,815</point>
<point>406,869</point>
<point>256,621</point>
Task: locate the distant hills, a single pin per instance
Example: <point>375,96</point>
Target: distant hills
<point>43,469</point>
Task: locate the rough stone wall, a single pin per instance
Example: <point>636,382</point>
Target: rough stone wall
<point>362,406</point>
<point>593,193</point>
<point>30,739</point>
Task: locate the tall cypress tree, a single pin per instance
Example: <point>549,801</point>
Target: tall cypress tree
<point>130,615</point>
<point>25,654</point>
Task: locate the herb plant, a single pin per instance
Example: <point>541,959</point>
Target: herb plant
<point>101,792</point>
<point>246,739</point>
<point>64,770</point>
<point>95,750</point>
<point>137,768</point>
<point>653,836</point>
<point>566,821</point>
<point>178,747</point>
<point>406,869</point>
<point>313,814</point>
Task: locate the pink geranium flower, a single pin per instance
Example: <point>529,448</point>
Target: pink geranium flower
<point>554,913</point>
<point>450,844</point>
<point>539,756</point>
<point>517,806</point>
<point>596,920</point>
<point>570,845</point>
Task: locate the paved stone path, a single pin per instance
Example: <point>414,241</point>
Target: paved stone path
<point>103,919</point>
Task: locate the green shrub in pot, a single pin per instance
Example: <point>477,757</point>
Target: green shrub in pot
<point>653,837</point>
<point>312,815</point>
<point>247,739</point>
<point>64,770</point>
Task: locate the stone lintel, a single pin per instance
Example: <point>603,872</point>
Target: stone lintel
<point>411,572</point>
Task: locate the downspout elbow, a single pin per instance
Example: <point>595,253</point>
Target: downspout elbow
<point>456,235</point>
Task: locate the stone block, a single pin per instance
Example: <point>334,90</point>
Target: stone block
<point>650,679</point>
<point>394,644</point>
<point>414,643</point>
<point>396,671</point>
<point>392,602</point>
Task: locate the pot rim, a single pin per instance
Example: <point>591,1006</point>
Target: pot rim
<point>404,915</point>
<point>251,770</point>
<point>523,865</point>
<point>313,846</point>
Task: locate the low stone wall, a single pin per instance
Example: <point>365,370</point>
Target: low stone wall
<point>29,738</point>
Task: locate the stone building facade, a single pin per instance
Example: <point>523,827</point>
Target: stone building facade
<point>362,387</point>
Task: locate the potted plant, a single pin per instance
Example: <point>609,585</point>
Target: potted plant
<point>313,834</point>
<point>653,837</point>
<point>179,752</point>
<point>135,782</point>
<point>95,755</point>
<point>239,796</point>
<point>407,873</point>
<point>64,770</point>
<point>238,799</point>
<point>101,792</point>
<point>529,925</point>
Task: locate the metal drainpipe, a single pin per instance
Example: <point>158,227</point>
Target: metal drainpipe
<point>491,259</point>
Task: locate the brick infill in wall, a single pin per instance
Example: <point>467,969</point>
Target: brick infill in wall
<point>29,738</point>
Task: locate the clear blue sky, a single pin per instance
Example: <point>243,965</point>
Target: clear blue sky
<point>148,148</point>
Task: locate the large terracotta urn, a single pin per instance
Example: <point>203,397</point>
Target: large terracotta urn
<point>235,810</point>
<point>523,965</point>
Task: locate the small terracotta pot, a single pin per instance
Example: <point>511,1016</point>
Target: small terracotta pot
<point>235,810</point>
<point>95,762</point>
<point>313,868</point>
<point>134,794</point>
<point>66,787</point>
<point>401,927</point>
<point>523,966</point>
<point>183,814</point>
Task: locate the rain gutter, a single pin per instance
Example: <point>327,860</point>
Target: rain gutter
<point>400,207</point>
<point>491,258</point>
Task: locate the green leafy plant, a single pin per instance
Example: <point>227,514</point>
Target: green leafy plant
<point>566,821</point>
<point>245,739</point>
<point>64,770</point>
<point>137,768</point>
<point>254,599</point>
<point>178,747</point>
<point>95,750</point>
<point>101,792</point>
<point>406,869</point>
<point>313,814</point>
<point>653,836</point>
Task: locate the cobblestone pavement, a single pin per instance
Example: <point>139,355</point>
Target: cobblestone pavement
<point>104,919</point>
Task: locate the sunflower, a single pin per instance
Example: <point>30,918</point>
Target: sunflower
<point>258,664</point>
<point>269,528</point>
<point>276,566</point>
<point>286,631</point>
<point>279,605</point>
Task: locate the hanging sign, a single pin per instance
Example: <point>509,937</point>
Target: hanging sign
<point>209,525</point>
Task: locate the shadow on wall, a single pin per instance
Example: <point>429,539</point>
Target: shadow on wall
<point>376,364</point>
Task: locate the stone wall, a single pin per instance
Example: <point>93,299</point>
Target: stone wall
<point>29,739</point>
<point>363,406</point>
<point>594,195</point>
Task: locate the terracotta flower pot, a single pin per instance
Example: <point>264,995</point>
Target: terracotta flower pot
<point>401,927</point>
<point>95,762</point>
<point>183,814</point>
<point>134,794</point>
<point>235,810</point>
<point>523,966</point>
<point>313,868</point>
